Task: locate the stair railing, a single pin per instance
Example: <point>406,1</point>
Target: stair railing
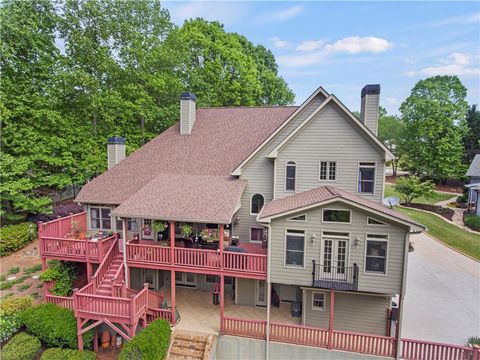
<point>112,252</point>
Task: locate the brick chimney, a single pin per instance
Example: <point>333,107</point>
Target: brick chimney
<point>115,150</point>
<point>187,112</point>
<point>369,107</point>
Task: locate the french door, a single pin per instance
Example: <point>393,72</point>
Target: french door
<point>335,255</point>
<point>185,279</point>
<point>260,293</point>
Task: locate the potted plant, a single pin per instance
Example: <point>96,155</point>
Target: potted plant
<point>186,230</point>
<point>159,226</point>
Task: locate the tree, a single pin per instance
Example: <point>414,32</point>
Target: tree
<point>412,187</point>
<point>471,138</point>
<point>391,131</point>
<point>433,114</point>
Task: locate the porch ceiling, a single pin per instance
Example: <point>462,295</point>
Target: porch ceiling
<point>194,198</point>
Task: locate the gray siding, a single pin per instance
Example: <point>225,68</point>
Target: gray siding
<point>352,312</point>
<point>187,116</point>
<point>329,136</point>
<point>369,111</point>
<point>245,292</point>
<point>259,174</point>
<point>388,284</point>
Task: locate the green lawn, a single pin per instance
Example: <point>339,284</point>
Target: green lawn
<point>389,191</point>
<point>464,241</point>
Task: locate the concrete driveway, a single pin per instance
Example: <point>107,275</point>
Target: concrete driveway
<point>442,300</point>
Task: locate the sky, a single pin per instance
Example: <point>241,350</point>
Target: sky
<point>343,46</point>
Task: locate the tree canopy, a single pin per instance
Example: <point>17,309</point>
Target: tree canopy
<point>75,72</point>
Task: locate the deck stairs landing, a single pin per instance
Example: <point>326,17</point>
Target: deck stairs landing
<point>191,346</point>
<point>106,286</point>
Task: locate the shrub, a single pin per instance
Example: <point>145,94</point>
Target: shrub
<point>21,347</point>
<point>10,310</point>
<point>13,270</point>
<point>67,354</point>
<point>54,326</point>
<point>412,187</point>
<point>59,210</point>
<point>150,344</point>
<point>15,237</point>
<point>33,269</point>
<point>62,274</point>
<point>472,221</point>
<point>8,284</point>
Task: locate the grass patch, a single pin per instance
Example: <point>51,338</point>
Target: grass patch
<point>33,269</point>
<point>437,196</point>
<point>13,270</point>
<point>462,240</point>
<point>6,296</point>
<point>3,277</point>
<point>23,287</point>
<point>472,221</point>
<point>8,284</point>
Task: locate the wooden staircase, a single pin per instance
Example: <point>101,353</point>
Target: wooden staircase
<point>106,285</point>
<point>190,346</point>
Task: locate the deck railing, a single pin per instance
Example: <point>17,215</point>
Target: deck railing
<point>364,343</point>
<point>148,254</point>
<point>197,258</point>
<point>63,301</point>
<point>245,262</point>
<point>59,228</point>
<point>301,335</point>
<point>336,277</point>
<point>427,350</point>
<point>246,328</point>
<point>154,314</point>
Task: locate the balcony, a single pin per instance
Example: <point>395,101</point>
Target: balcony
<point>335,277</point>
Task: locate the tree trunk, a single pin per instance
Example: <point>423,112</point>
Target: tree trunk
<point>142,128</point>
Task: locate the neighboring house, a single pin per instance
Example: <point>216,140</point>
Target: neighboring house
<point>473,173</point>
<point>295,193</point>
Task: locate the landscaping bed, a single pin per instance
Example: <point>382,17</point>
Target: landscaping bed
<point>445,212</point>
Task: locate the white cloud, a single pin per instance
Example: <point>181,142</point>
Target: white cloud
<point>356,44</point>
<point>310,45</point>
<point>462,19</point>
<point>409,61</point>
<point>459,58</point>
<point>455,64</point>
<point>280,44</point>
<point>225,12</point>
<point>302,60</point>
<point>281,15</point>
<point>410,73</point>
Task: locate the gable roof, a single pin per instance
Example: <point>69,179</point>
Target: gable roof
<point>353,119</point>
<point>326,194</point>
<point>474,168</point>
<point>320,90</point>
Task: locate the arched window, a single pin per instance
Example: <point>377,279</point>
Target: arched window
<point>257,203</point>
<point>290,175</point>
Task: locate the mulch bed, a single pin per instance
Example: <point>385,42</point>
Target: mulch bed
<point>445,212</point>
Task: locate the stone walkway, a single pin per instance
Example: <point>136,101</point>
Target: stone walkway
<point>457,218</point>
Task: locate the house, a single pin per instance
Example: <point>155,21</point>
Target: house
<point>258,205</point>
<point>473,186</point>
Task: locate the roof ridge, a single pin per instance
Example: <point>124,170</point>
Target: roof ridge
<point>247,107</point>
<point>332,190</point>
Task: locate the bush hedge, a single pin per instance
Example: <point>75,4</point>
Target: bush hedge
<point>62,274</point>
<point>472,221</point>
<point>21,347</point>
<point>15,237</point>
<point>54,326</point>
<point>150,344</point>
<point>67,354</point>
<point>10,310</point>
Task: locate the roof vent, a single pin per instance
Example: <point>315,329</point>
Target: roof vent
<point>369,107</point>
<point>187,112</point>
<point>115,150</point>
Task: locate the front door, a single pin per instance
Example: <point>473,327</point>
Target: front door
<point>261,293</point>
<point>185,279</point>
<point>335,258</point>
<point>150,277</point>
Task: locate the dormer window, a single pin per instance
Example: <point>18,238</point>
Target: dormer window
<point>290,176</point>
<point>257,204</point>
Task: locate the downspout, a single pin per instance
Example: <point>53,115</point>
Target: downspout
<point>401,298</point>
<point>269,291</point>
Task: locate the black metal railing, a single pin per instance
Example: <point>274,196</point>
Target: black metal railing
<point>335,277</point>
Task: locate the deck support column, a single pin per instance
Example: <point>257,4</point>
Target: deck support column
<point>95,340</point>
<point>269,307</point>
<point>331,318</point>
<point>45,288</point>
<point>220,244</point>
<point>124,249</point>
<point>172,295</point>
<point>89,270</point>
<point>172,241</point>
<point>222,301</point>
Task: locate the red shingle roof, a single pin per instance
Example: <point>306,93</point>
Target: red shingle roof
<point>320,195</point>
<point>221,139</point>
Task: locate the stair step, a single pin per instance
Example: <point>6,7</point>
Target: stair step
<point>195,345</point>
<point>191,337</point>
<point>175,350</point>
<point>183,357</point>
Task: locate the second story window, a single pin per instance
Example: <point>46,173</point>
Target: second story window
<point>100,218</point>
<point>290,176</point>
<point>376,254</point>
<point>366,178</point>
<point>257,204</point>
<point>256,234</point>
<point>295,248</point>
<point>328,170</point>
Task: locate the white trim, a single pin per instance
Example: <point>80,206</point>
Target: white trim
<point>317,308</point>
<point>113,222</point>
<point>290,163</point>
<point>251,199</point>
<point>300,221</point>
<point>335,238</point>
<point>388,154</point>
<point>238,169</point>
<point>285,265</point>
<point>383,224</point>
<point>328,170</point>
<point>374,177</point>
<point>386,240</point>
<point>336,222</point>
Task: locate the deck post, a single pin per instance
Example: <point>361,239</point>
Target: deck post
<point>89,270</point>
<point>172,241</point>
<point>45,288</point>
<point>95,340</point>
<point>220,245</point>
<point>124,249</point>
<point>172,294</point>
<point>79,320</point>
<point>222,301</point>
<point>398,331</point>
<point>40,238</point>
<point>330,319</point>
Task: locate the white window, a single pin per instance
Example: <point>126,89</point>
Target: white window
<point>132,225</point>
<point>375,222</point>
<point>301,218</point>
<point>257,204</point>
<point>100,218</point>
<point>256,234</point>
<point>295,248</point>
<point>290,176</point>
<point>376,254</point>
<point>328,170</point>
<point>336,216</point>
<point>366,178</point>
<point>147,229</point>
<point>318,301</point>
